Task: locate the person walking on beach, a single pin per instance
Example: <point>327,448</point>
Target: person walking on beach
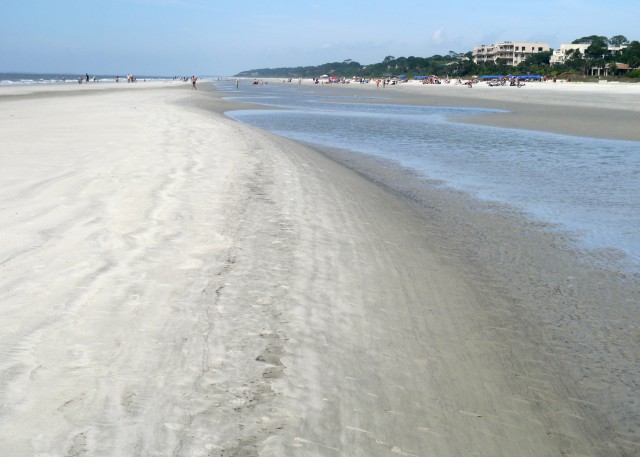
<point>193,81</point>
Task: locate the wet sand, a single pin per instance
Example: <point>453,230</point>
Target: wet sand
<point>176,283</point>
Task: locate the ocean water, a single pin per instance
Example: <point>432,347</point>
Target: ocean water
<point>590,187</point>
<point>21,79</point>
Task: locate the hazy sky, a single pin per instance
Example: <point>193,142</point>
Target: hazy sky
<point>224,37</point>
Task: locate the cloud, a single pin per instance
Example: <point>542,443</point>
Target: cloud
<point>438,36</point>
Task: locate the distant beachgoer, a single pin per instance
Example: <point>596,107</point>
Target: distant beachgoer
<point>117,78</point>
<point>193,81</point>
<point>87,76</point>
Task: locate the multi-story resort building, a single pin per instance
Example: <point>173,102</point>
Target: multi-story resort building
<point>513,53</point>
<point>559,55</point>
<point>508,53</point>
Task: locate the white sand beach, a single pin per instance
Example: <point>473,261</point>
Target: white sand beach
<point>176,283</point>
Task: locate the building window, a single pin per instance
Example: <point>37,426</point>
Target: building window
<point>540,49</point>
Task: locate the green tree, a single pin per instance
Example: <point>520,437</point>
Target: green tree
<point>618,40</point>
<point>597,50</point>
<point>631,55</point>
<point>575,60</point>
<point>591,39</point>
<point>540,58</point>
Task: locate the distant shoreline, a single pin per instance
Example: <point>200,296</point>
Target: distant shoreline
<point>604,110</point>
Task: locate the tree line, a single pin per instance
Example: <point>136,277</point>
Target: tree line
<point>456,64</point>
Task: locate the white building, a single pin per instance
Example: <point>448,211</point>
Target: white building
<point>559,55</point>
<point>509,53</point>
